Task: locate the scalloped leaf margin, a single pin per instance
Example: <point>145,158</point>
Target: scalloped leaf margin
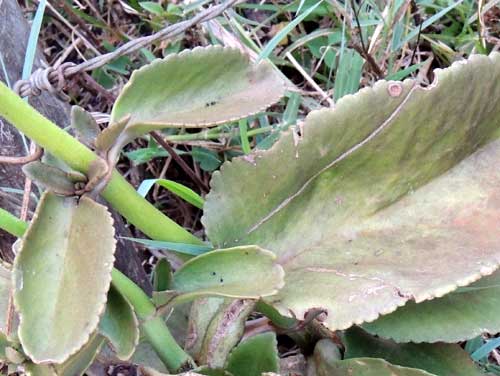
<point>61,276</point>
<point>366,211</point>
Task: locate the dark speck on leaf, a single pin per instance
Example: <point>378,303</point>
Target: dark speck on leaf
<point>221,280</point>
<point>211,103</point>
<point>214,273</point>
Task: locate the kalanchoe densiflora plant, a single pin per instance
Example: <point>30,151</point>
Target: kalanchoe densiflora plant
<point>382,207</point>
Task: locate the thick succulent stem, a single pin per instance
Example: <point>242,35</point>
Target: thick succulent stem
<point>153,327</point>
<point>121,195</point>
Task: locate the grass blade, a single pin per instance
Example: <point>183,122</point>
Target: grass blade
<point>485,349</point>
<point>188,249</point>
<point>271,45</point>
<point>178,189</point>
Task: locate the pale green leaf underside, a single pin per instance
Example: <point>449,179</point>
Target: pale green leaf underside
<point>5,291</point>
<point>200,87</point>
<point>463,314</point>
<point>74,366</point>
<point>443,359</point>
<point>368,367</point>
<point>390,197</point>
<point>62,275</point>
<point>119,325</point>
<point>239,272</point>
<point>79,362</point>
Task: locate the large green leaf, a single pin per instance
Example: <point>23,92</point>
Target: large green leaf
<point>443,359</point>
<point>367,367</point>
<point>196,88</point>
<point>61,276</point>
<point>254,356</point>
<point>119,325</point>
<point>463,314</point>
<point>392,196</point>
<point>239,272</point>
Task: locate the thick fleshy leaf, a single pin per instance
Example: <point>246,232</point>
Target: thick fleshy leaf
<point>61,276</point>
<point>220,273</point>
<point>119,325</point>
<point>254,356</point>
<point>463,314</point>
<point>201,87</point>
<point>392,196</point>
<point>201,314</point>
<point>85,125</point>
<point>224,332</point>
<point>367,367</point>
<point>443,359</point>
<point>79,362</point>
<point>51,178</point>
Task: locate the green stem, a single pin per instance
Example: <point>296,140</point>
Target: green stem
<point>154,327</point>
<point>12,224</point>
<point>121,195</point>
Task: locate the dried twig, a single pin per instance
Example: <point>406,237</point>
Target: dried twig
<point>170,150</point>
<point>22,160</point>
<point>363,50</point>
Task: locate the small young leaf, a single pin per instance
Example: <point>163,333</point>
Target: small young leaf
<point>61,276</point>
<point>85,125</point>
<point>108,137</point>
<point>180,190</point>
<point>119,325</point>
<point>50,178</point>
<point>254,356</point>
<point>73,175</point>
